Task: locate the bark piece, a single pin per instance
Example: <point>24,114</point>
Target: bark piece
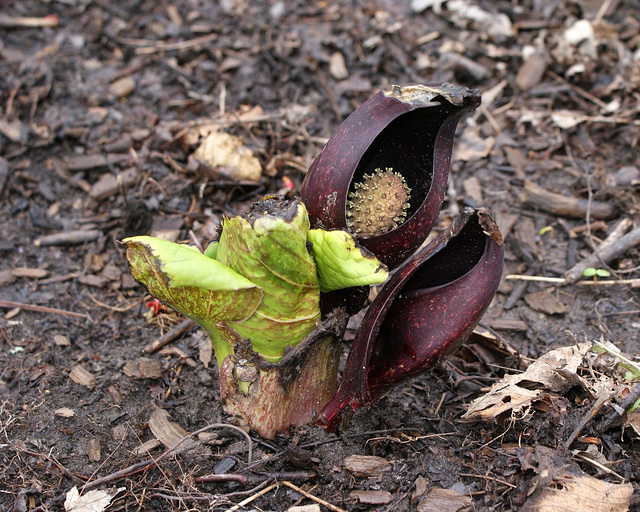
<point>372,497</point>
<point>94,450</point>
<point>143,368</point>
<point>366,465</point>
<point>564,206</point>
<point>110,184</point>
<point>82,376</point>
<point>31,273</point>
<point>444,500</point>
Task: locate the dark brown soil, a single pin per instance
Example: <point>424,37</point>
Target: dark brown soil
<point>270,73</point>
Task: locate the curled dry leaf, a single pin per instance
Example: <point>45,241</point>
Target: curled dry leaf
<point>554,372</point>
<point>562,485</point>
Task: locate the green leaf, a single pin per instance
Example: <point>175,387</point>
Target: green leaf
<point>342,263</point>
<point>212,250</point>
<point>199,287</point>
<point>269,247</point>
<point>185,265</point>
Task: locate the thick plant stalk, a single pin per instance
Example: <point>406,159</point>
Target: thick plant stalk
<point>424,312</point>
<point>291,392</point>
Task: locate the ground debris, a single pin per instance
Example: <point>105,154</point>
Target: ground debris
<point>561,485</point>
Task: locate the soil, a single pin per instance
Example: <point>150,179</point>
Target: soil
<point>127,88</point>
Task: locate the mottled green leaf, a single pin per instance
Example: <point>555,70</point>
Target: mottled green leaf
<point>342,263</point>
<point>199,287</point>
<point>270,249</point>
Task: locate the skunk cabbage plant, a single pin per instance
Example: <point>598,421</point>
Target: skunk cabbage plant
<point>275,291</point>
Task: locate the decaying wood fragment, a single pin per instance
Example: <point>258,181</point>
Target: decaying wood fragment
<point>565,206</point>
<point>68,238</point>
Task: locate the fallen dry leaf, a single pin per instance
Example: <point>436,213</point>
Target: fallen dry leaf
<point>227,155</point>
<point>554,372</point>
<point>92,501</point>
<point>562,485</point>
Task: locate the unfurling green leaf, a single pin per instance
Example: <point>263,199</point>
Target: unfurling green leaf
<point>199,287</point>
<point>211,251</point>
<point>342,263</point>
<point>269,247</point>
<point>184,265</point>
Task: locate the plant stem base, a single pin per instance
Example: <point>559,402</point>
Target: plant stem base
<point>275,397</point>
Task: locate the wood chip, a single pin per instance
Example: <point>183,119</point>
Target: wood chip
<point>473,189</point>
<point>146,447</point>
<point>372,497</point>
<point>110,184</point>
<point>6,277</point>
<point>67,238</point>
<point>119,432</point>
<point>14,130</point>
<point>305,508</point>
<point>169,433</point>
<point>93,449</point>
<point>143,368</point>
<point>444,500</point>
<point>227,155</point>
<point>61,340</point>
<point>115,395</point>
<point>546,302</point>
<point>337,66</point>
<point>94,161</point>
<point>64,412</point>
<point>532,71</point>
<point>93,280</point>
<point>366,465</point>
<point>31,273</point>
<point>504,324</point>
<point>82,376</point>
<point>123,87</point>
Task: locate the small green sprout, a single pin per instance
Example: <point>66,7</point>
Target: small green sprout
<point>595,273</point>
<point>547,229</point>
